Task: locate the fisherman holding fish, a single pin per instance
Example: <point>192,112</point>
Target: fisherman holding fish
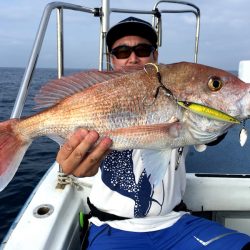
<point>130,128</point>
<point>131,207</point>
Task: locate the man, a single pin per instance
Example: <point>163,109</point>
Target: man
<point>128,211</point>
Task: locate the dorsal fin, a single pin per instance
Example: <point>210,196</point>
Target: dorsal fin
<point>56,90</point>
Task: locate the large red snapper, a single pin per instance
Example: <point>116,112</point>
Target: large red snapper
<point>123,106</point>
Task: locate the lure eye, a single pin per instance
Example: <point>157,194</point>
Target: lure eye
<point>215,83</point>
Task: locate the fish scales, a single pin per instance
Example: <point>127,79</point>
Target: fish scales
<point>107,106</point>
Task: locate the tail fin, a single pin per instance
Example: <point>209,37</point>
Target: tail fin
<point>12,150</point>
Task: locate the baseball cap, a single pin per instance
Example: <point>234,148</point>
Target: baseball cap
<point>131,26</point>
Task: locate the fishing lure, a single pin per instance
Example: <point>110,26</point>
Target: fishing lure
<point>208,112</point>
<point>243,135</point>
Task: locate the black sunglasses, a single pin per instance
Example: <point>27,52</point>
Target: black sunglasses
<point>124,51</point>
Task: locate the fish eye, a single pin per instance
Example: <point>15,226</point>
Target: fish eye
<point>215,83</point>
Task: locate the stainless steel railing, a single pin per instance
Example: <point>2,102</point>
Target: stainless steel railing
<point>23,90</point>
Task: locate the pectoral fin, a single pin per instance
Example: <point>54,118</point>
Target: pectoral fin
<point>156,136</point>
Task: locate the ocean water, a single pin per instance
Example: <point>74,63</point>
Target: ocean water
<point>226,157</point>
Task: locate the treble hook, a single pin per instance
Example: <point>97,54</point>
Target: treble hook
<point>167,91</point>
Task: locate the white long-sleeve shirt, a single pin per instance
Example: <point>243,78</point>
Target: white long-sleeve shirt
<point>123,187</point>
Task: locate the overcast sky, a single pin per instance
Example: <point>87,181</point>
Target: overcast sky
<point>224,40</point>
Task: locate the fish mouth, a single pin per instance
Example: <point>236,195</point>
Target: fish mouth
<point>208,112</point>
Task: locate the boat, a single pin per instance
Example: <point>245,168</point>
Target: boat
<point>53,216</point>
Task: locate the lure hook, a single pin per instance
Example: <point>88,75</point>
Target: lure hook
<point>167,91</point>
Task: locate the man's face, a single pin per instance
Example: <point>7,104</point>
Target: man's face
<point>133,59</point>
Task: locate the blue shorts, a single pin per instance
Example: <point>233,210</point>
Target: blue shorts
<point>189,233</point>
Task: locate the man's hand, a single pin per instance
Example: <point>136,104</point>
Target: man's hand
<point>80,156</point>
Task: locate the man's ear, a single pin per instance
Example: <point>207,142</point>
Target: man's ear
<point>112,60</point>
<point>155,55</point>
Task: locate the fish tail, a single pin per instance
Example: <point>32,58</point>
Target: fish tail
<point>12,149</point>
